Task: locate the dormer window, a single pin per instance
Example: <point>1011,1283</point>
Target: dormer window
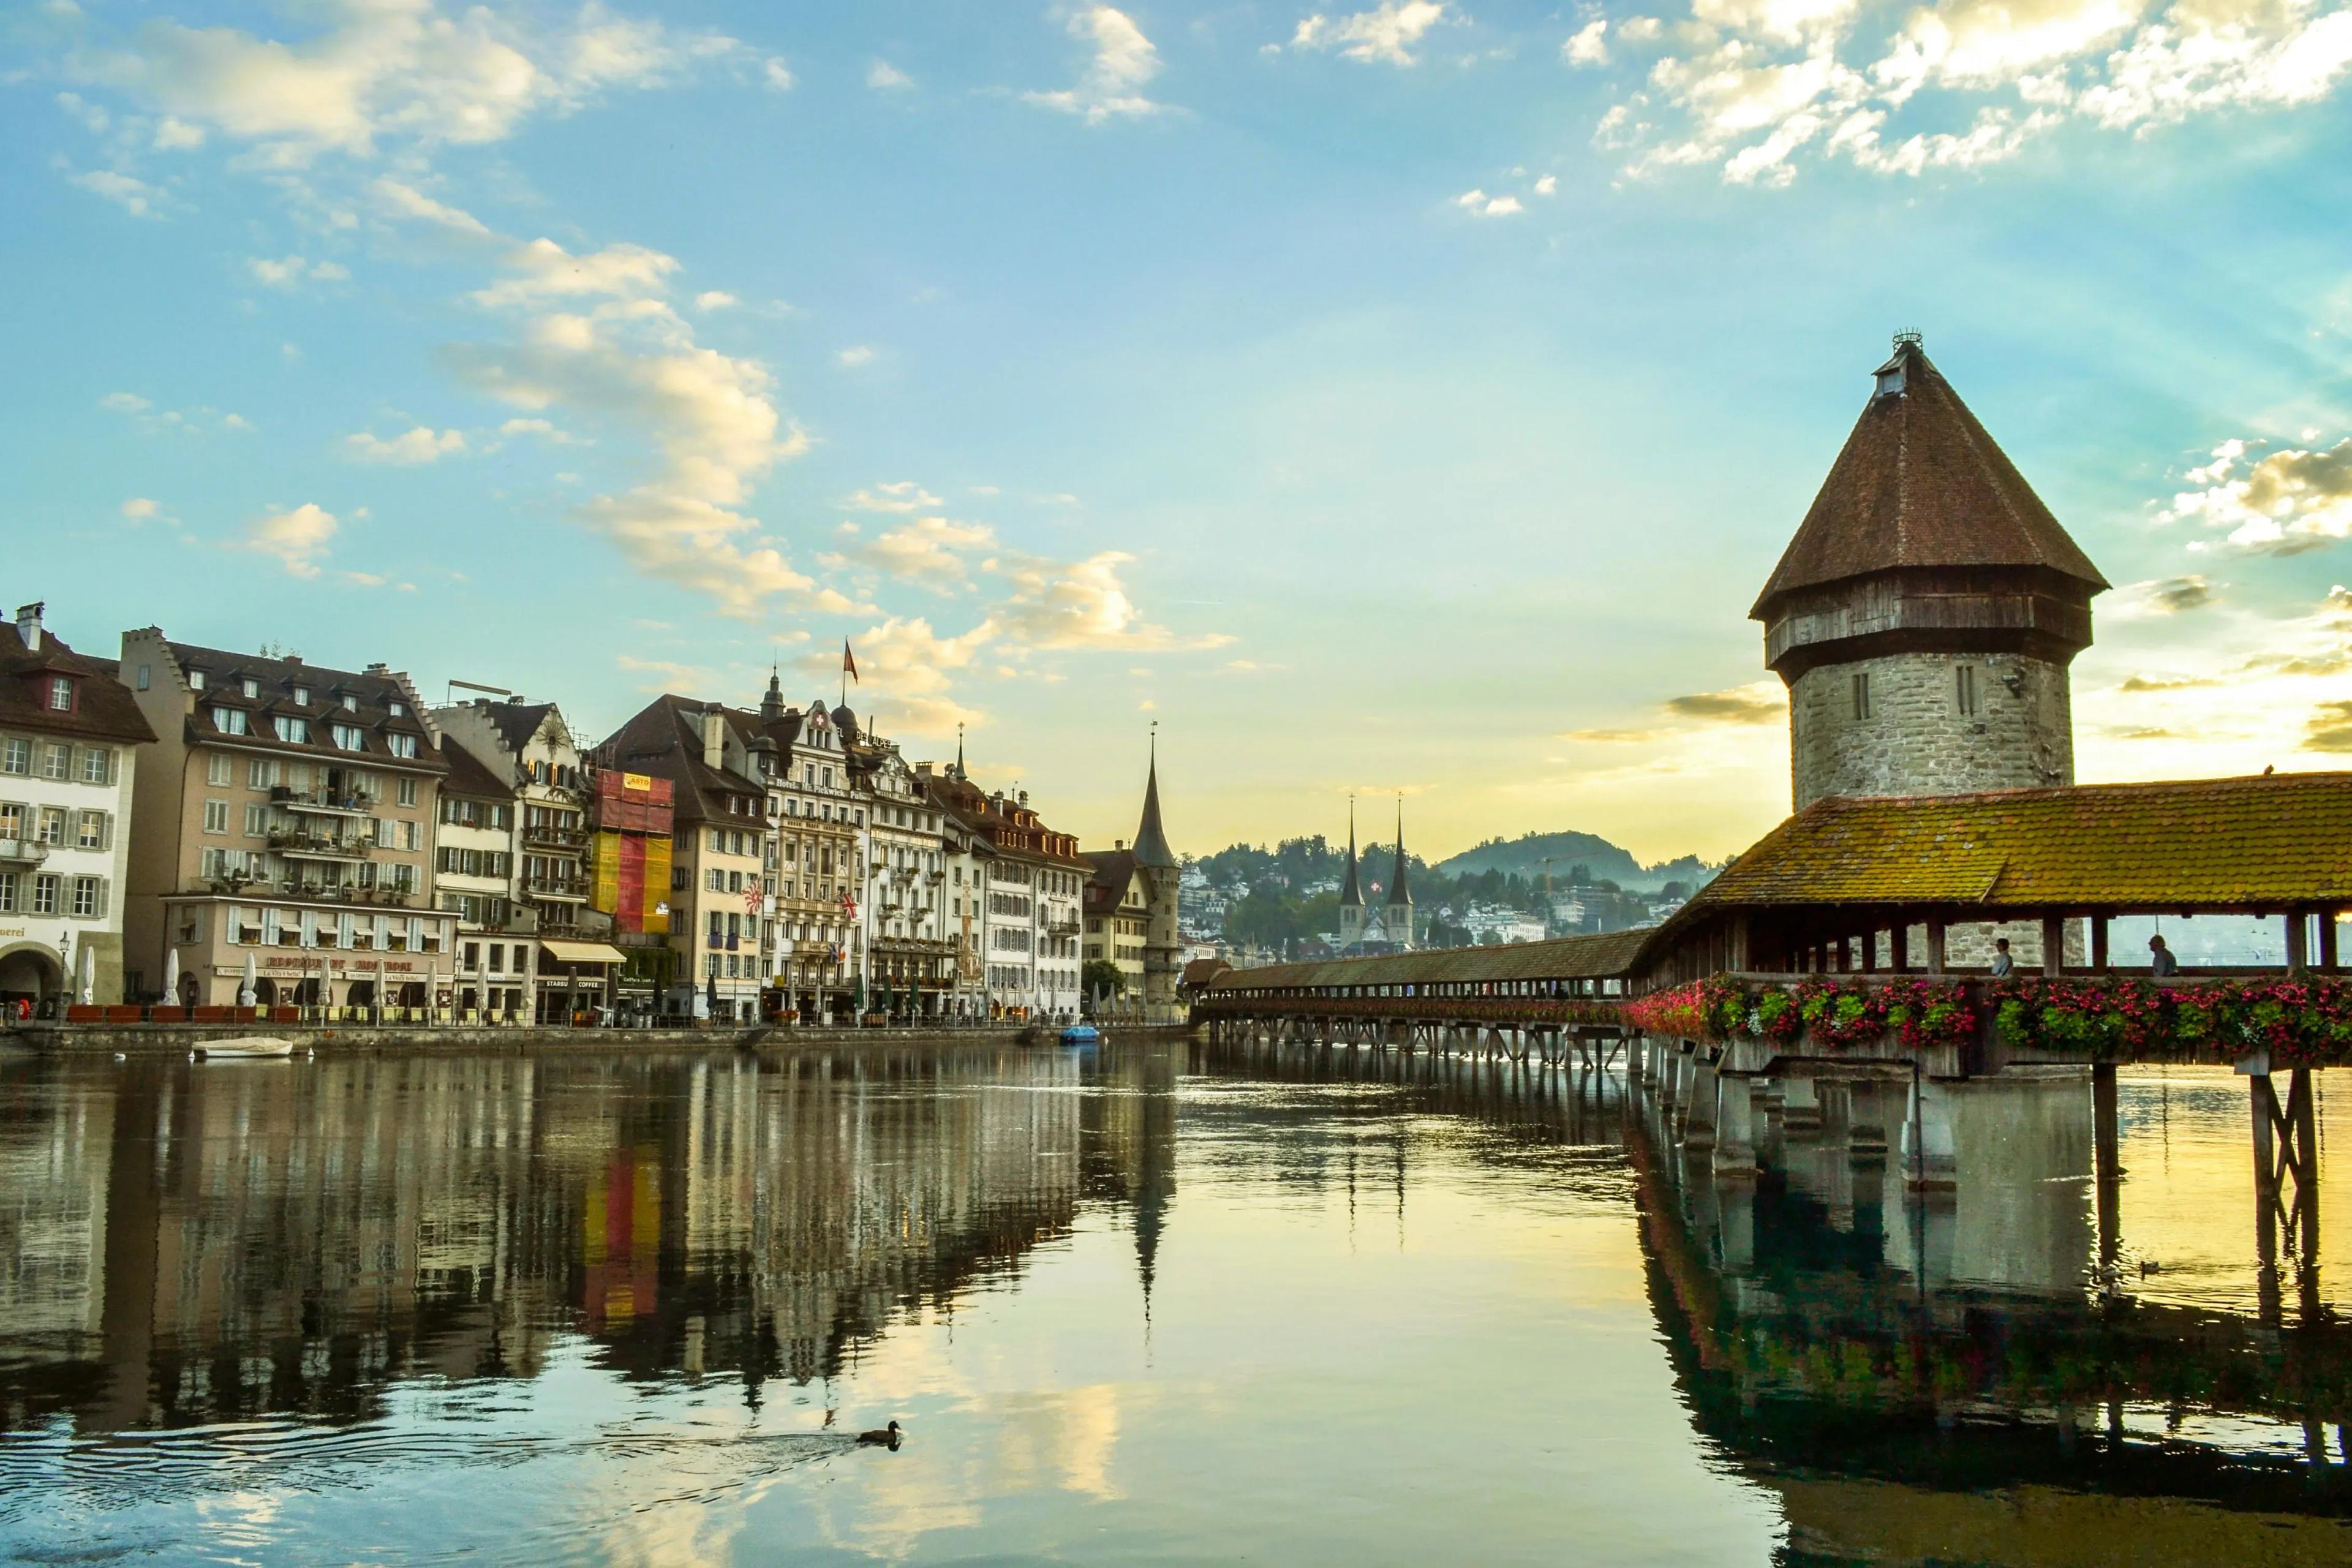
<point>251,687</point>
<point>396,710</point>
<point>301,697</point>
<point>347,738</point>
<point>350,703</point>
<point>401,745</point>
<point>293,730</point>
<point>61,694</point>
<point>230,720</point>
<point>196,681</point>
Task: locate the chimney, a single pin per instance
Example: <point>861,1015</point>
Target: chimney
<point>714,738</point>
<point>1118,844</point>
<point>28,624</point>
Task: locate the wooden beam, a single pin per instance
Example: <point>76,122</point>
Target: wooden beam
<point>2053,945</point>
<point>2327,960</point>
<point>2298,941</point>
<point>1898,948</point>
<point>2099,943</point>
<point>1935,947</point>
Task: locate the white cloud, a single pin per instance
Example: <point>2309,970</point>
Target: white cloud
<point>1589,45</point>
<point>1390,32</point>
<point>139,509</point>
<point>293,269</point>
<point>1547,184</point>
<point>177,135</point>
<point>2287,501</point>
<point>543,271</point>
<point>1077,605</point>
<point>777,74</point>
<point>1761,85</point>
<point>133,195</point>
<point>884,77</point>
<point>408,202</point>
<point>124,403</point>
<point>714,299</point>
<point>544,429</point>
<point>897,495</point>
<point>298,537</point>
<point>855,355</point>
<point>384,69</point>
<point>1123,60</point>
<point>1485,205</point>
<point>421,445</point>
<point>930,551</point>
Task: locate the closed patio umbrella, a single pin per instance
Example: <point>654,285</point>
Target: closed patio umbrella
<point>244,987</point>
<point>88,974</point>
<point>382,979</point>
<point>711,994</point>
<point>172,976</point>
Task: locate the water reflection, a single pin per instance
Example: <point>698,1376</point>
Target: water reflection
<point>1196,1303</point>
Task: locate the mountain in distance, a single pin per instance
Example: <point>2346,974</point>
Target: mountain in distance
<point>1523,856</point>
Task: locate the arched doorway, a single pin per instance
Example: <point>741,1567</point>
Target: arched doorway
<point>30,973</point>
<point>189,990</point>
<point>265,992</point>
<point>362,994</point>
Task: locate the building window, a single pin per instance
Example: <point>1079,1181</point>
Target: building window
<point>401,745</point>
<point>57,763</point>
<point>216,817</point>
<point>292,730</point>
<point>408,792</point>
<point>1862,694</point>
<point>89,898</point>
<point>92,834</point>
<point>60,694</point>
<point>230,720</point>
<point>347,738</point>
<point>396,710</point>
<point>1965,688</point>
<point>350,703</point>
<point>301,697</point>
<point>16,756</point>
<point>196,681</point>
<point>251,687</point>
<point>146,674</point>
<point>98,765</point>
<point>256,819</point>
<point>45,894</point>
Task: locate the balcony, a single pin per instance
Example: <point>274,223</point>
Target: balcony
<point>544,837</point>
<point>300,844</point>
<point>23,851</point>
<point>574,888</point>
<point>341,803</point>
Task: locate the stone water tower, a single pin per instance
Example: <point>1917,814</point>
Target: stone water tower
<point>1925,614</point>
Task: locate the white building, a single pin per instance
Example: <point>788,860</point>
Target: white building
<point>67,730</point>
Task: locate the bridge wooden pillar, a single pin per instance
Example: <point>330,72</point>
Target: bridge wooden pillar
<point>1699,1119</point>
<point>1935,947</point>
<point>1735,1128</point>
<point>1801,1106</point>
<point>2053,945</point>
<point>2285,1150</point>
<point>2328,939</point>
<point>2106,1165</point>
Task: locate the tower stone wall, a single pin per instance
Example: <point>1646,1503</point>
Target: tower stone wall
<point>1930,723</point>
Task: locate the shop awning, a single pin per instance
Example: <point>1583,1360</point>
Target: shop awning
<point>580,952</point>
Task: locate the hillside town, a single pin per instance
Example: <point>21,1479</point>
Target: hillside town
<point>186,830</point>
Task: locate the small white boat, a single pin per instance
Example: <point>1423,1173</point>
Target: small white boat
<point>244,1046</point>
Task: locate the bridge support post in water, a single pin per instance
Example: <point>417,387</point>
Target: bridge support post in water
<point>1735,1127</point>
<point>1698,1121</point>
<point>2287,1185</point>
<point>1866,1126</point>
<point>1800,1108</point>
<point>2107,1167</point>
<point>1930,1155</point>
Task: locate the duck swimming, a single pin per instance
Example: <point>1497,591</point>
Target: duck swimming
<point>888,1436</point>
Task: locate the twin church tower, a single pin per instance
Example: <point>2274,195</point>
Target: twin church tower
<point>1926,613</point>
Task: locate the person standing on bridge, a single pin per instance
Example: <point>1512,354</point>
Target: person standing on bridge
<point>2160,960</point>
<point>2003,966</point>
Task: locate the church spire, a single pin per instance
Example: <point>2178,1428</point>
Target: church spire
<point>959,773</point>
<point>1150,839</point>
<point>1397,893</point>
<point>1351,891</point>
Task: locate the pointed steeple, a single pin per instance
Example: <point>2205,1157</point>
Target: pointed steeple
<point>772,705</point>
<point>1150,839</point>
<point>1399,893</point>
<point>959,773</point>
<point>1351,891</point>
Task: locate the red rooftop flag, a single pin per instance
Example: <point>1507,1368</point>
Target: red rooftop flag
<point>848,660</point>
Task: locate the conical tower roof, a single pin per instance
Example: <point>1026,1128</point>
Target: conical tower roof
<point>1921,484</point>
<point>1399,893</point>
<point>1351,891</point>
<point>1150,839</point>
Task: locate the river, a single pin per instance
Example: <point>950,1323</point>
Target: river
<point>1154,1304</point>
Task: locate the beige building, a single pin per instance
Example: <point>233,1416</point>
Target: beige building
<point>809,931</point>
<point>283,819</point>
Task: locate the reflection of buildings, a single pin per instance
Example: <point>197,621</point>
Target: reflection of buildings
<point>241,1238</point>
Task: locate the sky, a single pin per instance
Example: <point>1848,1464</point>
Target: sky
<point>1400,401</point>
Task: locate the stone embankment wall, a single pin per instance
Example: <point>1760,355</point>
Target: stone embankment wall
<point>393,1039</point>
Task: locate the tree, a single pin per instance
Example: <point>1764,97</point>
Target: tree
<point>1101,977</point>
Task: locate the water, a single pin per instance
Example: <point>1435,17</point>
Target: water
<point>1164,1305</point>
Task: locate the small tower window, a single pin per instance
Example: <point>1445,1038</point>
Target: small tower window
<point>1862,694</point>
<point>1964,688</point>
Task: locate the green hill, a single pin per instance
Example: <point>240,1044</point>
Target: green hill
<point>1524,855</point>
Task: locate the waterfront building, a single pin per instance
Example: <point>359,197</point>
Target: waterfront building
<point>811,942</point>
<point>1925,614</point>
<point>1035,889</point>
<point>1133,909</point>
<point>284,813</point>
<point>69,732</point>
<point>473,878</point>
<point>572,962</point>
<point>1119,917</point>
<point>630,818</point>
<point>911,960</point>
<point>966,849</point>
<point>719,850</point>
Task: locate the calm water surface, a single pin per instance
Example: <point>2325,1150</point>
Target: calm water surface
<point>1158,1306</point>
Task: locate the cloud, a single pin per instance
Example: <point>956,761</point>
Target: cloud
<point>2329,728</point>
<point>930,551</point>
<point>1123,60</point>
<point>421,445</point>
<point>1760,702</point>
<point>139,509</point>
<point>293,269</point>
<point>776,74</point>
<point>1390,33</point>
<point>2281,504</point>
<point>1078,605</point>
<point>671,676</point>
<point>544,429</point>
<point>298,537</point>
<point>1547,184</point>
<point>884,77</point>
<point>543,271</point>
<point>1754,87</point>
<point>124,403</point>
<point>711,416</point>
<point>1480,205</point>
<point>898,495</point>
<point>854,357</point>
<point>408,202</point>
<point>714,299</point>
<point>909,668</point>
<point>133,195</point>
<point>387,69</point>
<point>1589,45</point>
<point>2136,685</point>
<point>2160,596</point>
